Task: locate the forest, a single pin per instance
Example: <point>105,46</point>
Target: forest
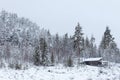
<point>24,43</point>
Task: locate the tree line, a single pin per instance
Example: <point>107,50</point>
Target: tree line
<point>23,42</point>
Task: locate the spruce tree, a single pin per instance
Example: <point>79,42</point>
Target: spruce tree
<point>78,41</point>
<point>104,48</point>
<point>52,59</point>
<point>36,56</point>
<point>57,47</point>
<point>86,48</point>
<point>87,43</point>
<point>107,38</point>
<point>65,45</point>
<point>92,47</point>
<point>43,50</point>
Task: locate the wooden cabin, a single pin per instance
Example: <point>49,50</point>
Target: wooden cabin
<point>93,61</point>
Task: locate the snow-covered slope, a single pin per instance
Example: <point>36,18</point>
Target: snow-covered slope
<point>62,73</point>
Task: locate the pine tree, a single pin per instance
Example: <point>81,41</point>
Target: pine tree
<point>57,47</point>
<point>78,41</point>
<point>104,48</point>
<point>44,50</point>
<point>87,42</point>
<point>52,59</point>
<point>65,40</point>
<point>113,52</point>
<point>49,41</point>
<point>107,38</point>
<point>86,48</point>
<point>92,47</point>
<point>65,45</point>
<point>36,56</point>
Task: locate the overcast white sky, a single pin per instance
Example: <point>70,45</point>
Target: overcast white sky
<point>62,15</point>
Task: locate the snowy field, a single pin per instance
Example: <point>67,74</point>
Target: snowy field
<point>63,73</point>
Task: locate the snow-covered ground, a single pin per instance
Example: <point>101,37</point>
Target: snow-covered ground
<point>62,73</point>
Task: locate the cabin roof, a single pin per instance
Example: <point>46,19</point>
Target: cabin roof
<point>93,59</point>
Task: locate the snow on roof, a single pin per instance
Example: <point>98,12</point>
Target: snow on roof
<point>93,59</point>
